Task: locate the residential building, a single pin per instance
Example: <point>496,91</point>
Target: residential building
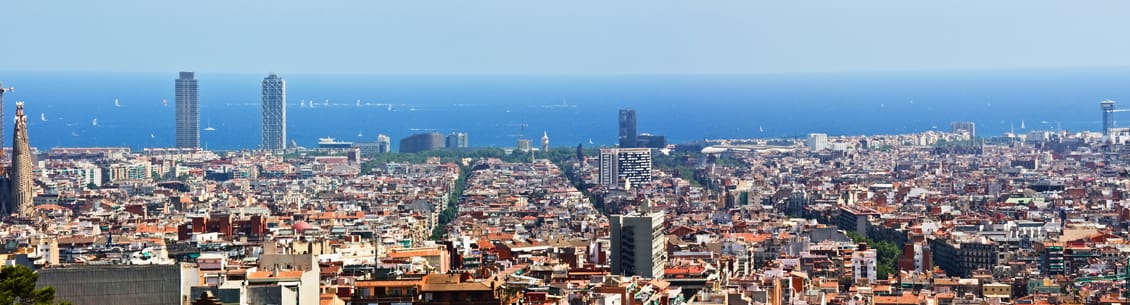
<point>618,165</point>
<point>638,243</point>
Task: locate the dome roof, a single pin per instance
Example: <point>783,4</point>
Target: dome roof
<point>300,226</point>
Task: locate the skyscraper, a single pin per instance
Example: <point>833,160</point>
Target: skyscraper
<point>421,142</point>
<point>384,144</point>
<point>21,188</point>
<point>628,128</point>
<point>274,113</point>
<point>457,140</point>
<point>188,112</point>
<point>816,141</point>
<point>1108,116</point>
<point>638,243</point>
<point>964,127</point>
<point>625,164</point>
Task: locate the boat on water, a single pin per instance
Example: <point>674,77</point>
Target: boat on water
<point>43,117</point>
<point>116,104</point>
<point>564,104</point>
<point>94,122</point>
<point>209,128</point>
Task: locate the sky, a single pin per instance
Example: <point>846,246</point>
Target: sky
<point>560,37</point>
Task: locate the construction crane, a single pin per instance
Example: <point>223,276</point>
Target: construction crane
<point>2,90</point>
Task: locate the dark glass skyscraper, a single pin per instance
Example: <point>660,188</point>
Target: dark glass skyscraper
<point>188,112</point>
<point>274,113</point>
<point>628,132</point>
<point>421,142</point>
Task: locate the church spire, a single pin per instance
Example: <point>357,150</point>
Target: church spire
<point>21,191</point>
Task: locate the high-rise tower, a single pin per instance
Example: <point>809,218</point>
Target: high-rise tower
<point>274,113</point>
<point>21,189</point>
<point>1108,116</point>
<point>638,242</point>
<point>188,112</point>
<point>628,128</point>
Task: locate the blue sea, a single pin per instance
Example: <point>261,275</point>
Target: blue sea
<point>497,110</point>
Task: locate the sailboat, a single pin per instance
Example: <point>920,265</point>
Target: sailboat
<point>760,129</point>
<point>358,103</point>
<point>165,102</point>
<point>152,136</point>
<point>302,104</point>
<point>116,104</point>
<point>359,134</point>
<point>94,122</point>
<point>209,128</point>
<point>43,117</point>
<point>590,142</point>
<point>1021,124</point>
<point>389,107</point>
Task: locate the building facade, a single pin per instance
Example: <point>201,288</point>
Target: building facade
<point>816,142</point>
<point>628,135</point>
<point>638,243</point>
<point>969,128</point>
<point>625,164</point>
<point>525,145</point>
<point>863,264</point>
<point>188,112</point>
<point>456,140</point>
<point>384,144</point>
<point>274,113</point>
<point>421,142</point>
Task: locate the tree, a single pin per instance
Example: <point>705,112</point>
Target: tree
<point>19,282</point>
<point>887,254</point>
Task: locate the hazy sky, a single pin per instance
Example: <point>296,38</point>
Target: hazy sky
<point>561,37</point>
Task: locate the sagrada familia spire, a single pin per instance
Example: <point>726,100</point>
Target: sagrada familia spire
<point>20,178</point>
